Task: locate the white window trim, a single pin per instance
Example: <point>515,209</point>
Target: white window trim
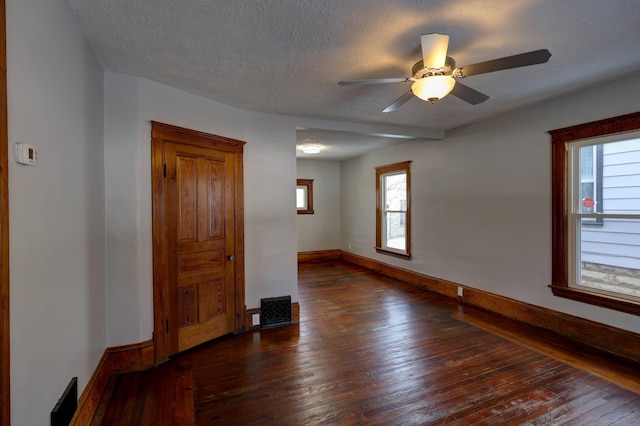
<point>381,173</point>
<point>574,216</point>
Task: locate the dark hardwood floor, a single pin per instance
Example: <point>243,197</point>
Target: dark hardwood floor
<point>372,350</point>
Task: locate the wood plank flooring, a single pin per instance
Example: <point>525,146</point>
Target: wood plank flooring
<point>372,350</point>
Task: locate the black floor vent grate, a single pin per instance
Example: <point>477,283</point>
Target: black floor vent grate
<point>67,404</point>
<point>275,311</point>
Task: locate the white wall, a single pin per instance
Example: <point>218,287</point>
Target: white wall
<point>269,184</point>
<point>481,200</point>
<point>269,193</point>
<point>320,230</point>
<point>57,246</point>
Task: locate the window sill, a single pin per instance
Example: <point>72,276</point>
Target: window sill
<point>400,254</point>
<point>605,301</point>
<point>305,211</point>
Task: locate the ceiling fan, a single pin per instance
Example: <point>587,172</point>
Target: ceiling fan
<point>434,77</point>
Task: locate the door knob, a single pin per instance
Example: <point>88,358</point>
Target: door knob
<point>231,257</point>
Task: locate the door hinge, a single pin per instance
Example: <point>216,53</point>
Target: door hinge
<point>167,324</point>
<point>165,170</point>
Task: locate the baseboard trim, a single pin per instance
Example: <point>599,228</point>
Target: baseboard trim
<point>115,360</point>
<point>131,358</point>
<point>319,255</point>
<point>92,393</point>
<point>609,339</point>
<point>295,313</point>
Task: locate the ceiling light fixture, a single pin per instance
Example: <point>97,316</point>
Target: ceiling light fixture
<point>433,87</point>
<point>311,149</point>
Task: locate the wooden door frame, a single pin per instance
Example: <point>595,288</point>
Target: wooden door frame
<point>160,133</point>
<point>5,389</point>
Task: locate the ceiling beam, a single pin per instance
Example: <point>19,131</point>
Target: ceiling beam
<point>370,129</point>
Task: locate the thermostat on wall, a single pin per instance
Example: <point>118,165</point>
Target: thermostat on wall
<point>26,154</point>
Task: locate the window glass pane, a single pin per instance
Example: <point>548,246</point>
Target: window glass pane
<point>586,162</point>
<point>301,198</point>
<point>395,230</point>
<point>588,180</point>
<point>395,203</point>
<point>395,192</point>
<point>621,177</point>
<point>304,196</point>
<point>609,256</point>
<point>586,190</point>
<point>586,195</point>
<point>612,187</point>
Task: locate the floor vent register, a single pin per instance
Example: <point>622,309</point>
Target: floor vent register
<point>275,311</point>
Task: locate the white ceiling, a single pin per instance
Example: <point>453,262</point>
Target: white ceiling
<point>340,145</point>
<point>286,57</point>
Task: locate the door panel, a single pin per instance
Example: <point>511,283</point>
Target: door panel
<point>199,238</point>
<point>186,198</point>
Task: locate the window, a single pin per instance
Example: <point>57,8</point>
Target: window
<point>304,196</point>
<point>393,209</point>
<point>590,172</point>
<point>596,213</point>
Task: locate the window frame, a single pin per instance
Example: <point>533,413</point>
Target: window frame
<point>307,184</point>
<point>560,199</point>
<point>396,168</point>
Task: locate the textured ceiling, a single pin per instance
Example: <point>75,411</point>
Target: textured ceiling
<point>341,145</point>
<point>286,57</point>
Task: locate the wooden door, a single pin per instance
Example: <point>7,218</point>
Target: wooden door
<point>199,215</point>
<point>198,238</point>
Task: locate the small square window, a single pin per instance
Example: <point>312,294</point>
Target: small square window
<point>304,196</point>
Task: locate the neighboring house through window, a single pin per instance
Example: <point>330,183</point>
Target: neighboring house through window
<point>596,213</point>
<point>591,178</point>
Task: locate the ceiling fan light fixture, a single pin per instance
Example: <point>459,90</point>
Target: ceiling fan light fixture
<point>311,149</point>
<point>433,87</point>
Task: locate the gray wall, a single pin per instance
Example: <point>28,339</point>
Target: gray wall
<point>321,230</point>
<point>57,208</point>
<point>269,188</point>
<point>481,200</point>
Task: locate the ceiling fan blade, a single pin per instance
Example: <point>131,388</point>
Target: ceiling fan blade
<point>434,49</point>
<point>468,94</point>
<point>399,102</point>
<point>373,81</point>
<point>522,60</point>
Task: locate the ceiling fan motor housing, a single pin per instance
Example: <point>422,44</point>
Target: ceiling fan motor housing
<point>419,71</point>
